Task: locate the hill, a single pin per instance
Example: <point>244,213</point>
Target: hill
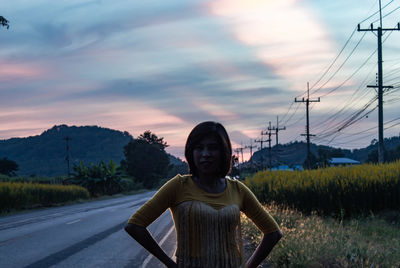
<point>294,153</point>
<point>45,154</point>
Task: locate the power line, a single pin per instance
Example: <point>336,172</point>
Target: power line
<point>347,105</point>
<point>355,72</point>
<point>376,12</point>
<point>330,66</point>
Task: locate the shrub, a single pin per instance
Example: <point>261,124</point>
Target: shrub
<point>97,179</point>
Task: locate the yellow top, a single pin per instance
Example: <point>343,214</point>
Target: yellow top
<point>207,224</point>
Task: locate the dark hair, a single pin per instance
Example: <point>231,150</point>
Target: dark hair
<point>203,130</point>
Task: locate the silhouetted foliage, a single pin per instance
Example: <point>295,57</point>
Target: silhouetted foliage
<point>97,179</point>
<point>310,162</point>
<point>8,167</point>
<point>389,155</point>
<point>363,154</point>
<point>146,159</point>
<point>176,166</point>
<point>235,164</point>
<point>326,154</point>
<point>4,22</point>
<point>152,139</point>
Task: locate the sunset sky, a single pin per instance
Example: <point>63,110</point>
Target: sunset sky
<point>165,66</point>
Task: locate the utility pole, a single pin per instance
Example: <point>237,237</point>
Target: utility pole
<point>277,129</point>
<point>269,145</point>
<point>237,151</point>
<point>261,141</point>
<point>240,150</point>
<point>67,154</point>
<point>307,101</point>
<point>251,146</point>
<point>380,86</point>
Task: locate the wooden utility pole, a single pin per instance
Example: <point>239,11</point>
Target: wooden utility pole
<point>269,146</point>
<point>67,139</point>
<point>239,150</point>
<point>380,86</point>
<point>276,129</point>
<point>307,101</point>
<point>261,141</point>
<point>251,146</point>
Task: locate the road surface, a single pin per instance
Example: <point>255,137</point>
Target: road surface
<point>81,235</point>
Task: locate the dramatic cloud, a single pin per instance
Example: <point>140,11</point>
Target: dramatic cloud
<point>168,65</point>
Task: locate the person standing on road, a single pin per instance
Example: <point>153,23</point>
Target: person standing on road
<point>206,206</point>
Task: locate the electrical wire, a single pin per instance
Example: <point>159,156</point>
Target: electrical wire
<point>360,92</point>
<point>376,12</point>
<point>283,118</point>
<point>355,117</point>
<point>391,12</point>
<point>355,72</point>
<point>341,66</point>
<point>333,62</point>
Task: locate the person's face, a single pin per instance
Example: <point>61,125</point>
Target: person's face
<point>207,156</point>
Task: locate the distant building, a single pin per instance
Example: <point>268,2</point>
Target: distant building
<point>298,167</point>
<point>286,167</point>
<point>342,161</point>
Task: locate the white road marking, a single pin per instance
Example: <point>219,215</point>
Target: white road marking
<point>72,222</point>
<point>147,260</point>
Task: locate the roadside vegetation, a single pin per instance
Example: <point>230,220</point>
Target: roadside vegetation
<point>331,217</point>
<point>338,191</point>
<point>321,241</point>
<point>19,195</point>
<point>146,166</point>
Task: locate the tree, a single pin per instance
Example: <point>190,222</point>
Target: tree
<point>8,167</point>
<point>152,138</point>
<point>310,162</point>
<point>146,159</point>
<point>325,155</point>
<point>389,155</point>
<point>4,22</point>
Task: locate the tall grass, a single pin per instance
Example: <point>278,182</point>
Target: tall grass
<point>41,179</point>
<point>24,195</point>
<point>315,241</point>
<point>341,191</point>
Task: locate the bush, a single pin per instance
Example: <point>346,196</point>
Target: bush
<point>97,179</point>
<point>129,184</point>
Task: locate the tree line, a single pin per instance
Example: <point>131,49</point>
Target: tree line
<point>146,165</point>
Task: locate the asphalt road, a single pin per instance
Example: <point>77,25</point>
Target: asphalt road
<point>82,235</point>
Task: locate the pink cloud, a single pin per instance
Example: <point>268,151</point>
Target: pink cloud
<point>16,71</point>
